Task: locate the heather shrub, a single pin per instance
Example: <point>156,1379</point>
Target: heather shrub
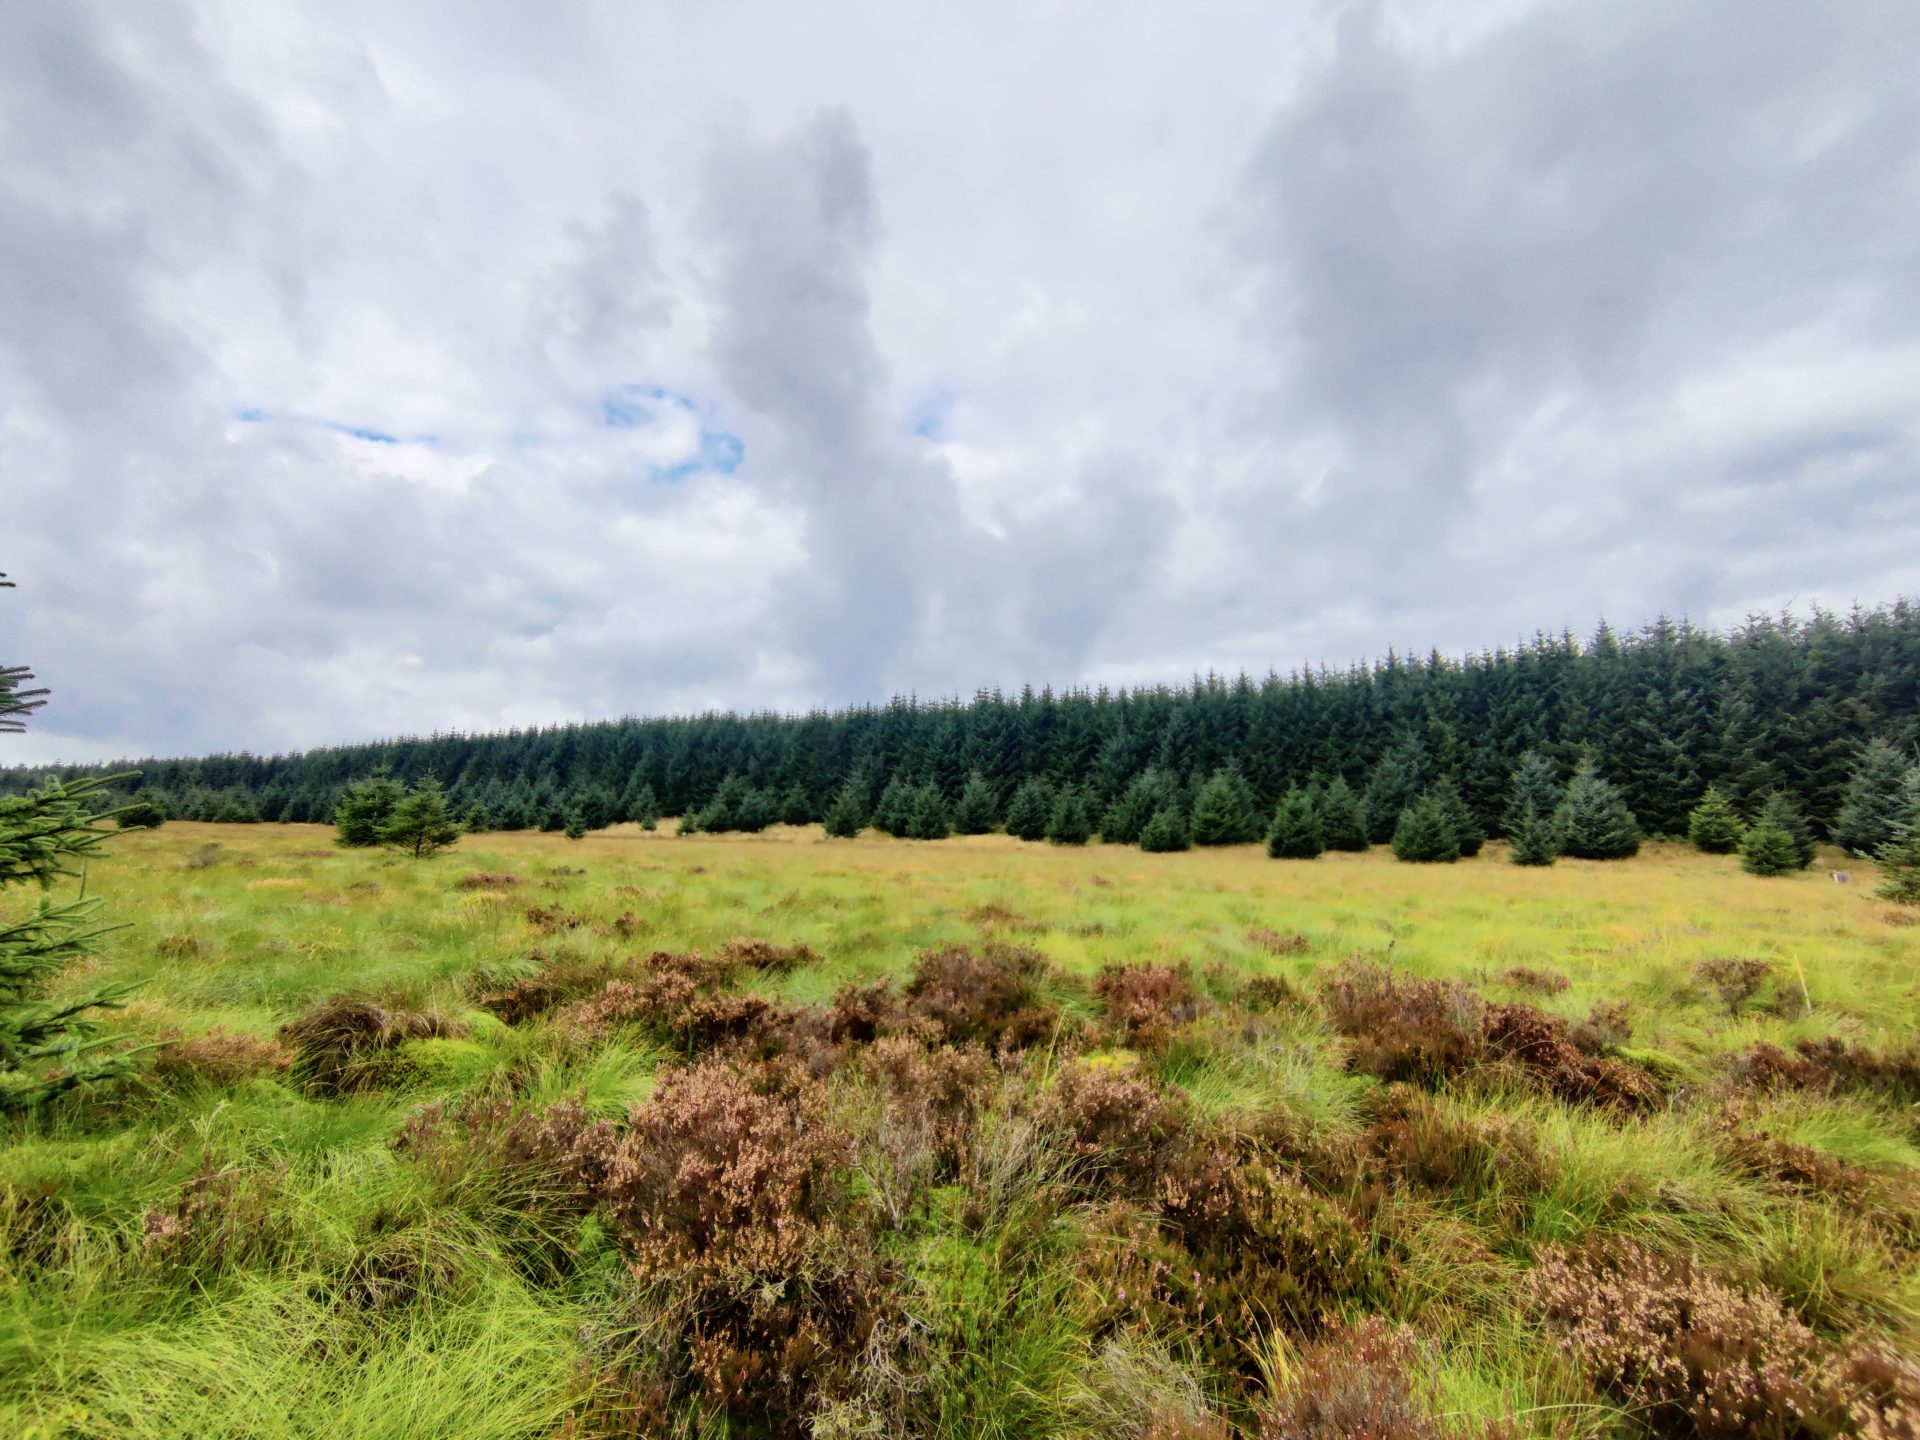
<point>1411,1140</point>
<point>1361,1382</point>
<point>993,998</point>
<point>1734,980</point>
<point>1541,1045</point>
<point>551,919</point>
<point>1536,982</point>
<point>1145,1004</point>
<point>1608,1026</point>
<point>1402,1028</point>
<point>1831,1064</point>
<point>729,1197</point>
<point>221,1217</point>
<point>927,1105</point>
<point>1244,1248</point>
<point>1116,1120</point>
<point>345,1044</point>
<point>217,1058</point>
<point>743,953</point>
<point>1265,993</point>
<point>1693,1355</point>
<point>558,977</point>
<point>487,880</point>
<point>1276,943</point>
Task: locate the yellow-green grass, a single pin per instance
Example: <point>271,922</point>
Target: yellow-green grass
<point>241,927</point>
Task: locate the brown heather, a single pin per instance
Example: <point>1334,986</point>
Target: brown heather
<point>219,1057</point>
<point>1360,1383</point>
<point>1696,1356</point>
<point>1145,1004</point>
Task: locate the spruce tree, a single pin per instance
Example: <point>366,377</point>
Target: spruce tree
<point>643,808</point>
<point>421,825</point>
<point>1536,786</point>
<point>478,819</point>
<point>1781,812</point>
<point>1143,797</point>
<point>1424,834</point>
<point>730,804</point>
<point>365,808</point>
<point>1768,848</point>
<point>847,816</point>
<point>1532,841</point>
<point>928,819</point>
<point>46,1046</point>
<point>756,812</point>
<point>1468,833</point>
<point>1713,825</point>
<point>1031,810</point>
<point>1221,815</point>
<point>1593,822</point>
<point>973,814</point>
<point>795,807</point>
<point>573,824</point>
<point>140,814</point>
<point>1296,832</point>
<point>1397,781</point>
<point>1343,819</point>
<point>1878,800</point>
<point>894,813</point>
<point>1166,831</point>
<point>1899,862</point>
<point>554,817</point>
<point>1071,822</point>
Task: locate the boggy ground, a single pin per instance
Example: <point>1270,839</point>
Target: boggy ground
<point>644,1135</point>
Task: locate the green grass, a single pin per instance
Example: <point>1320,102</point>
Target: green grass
<point>240,928</point>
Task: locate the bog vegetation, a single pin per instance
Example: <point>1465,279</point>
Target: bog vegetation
<point>784,1135</point>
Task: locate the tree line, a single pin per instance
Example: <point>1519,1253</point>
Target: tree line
<point>1779,705</point>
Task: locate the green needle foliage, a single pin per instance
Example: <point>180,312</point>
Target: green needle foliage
<point>894,813</point>
<point>929,820</point>
<point>364,810</point>
<point>421,825</point>
<point>644,808</point>
<point>1145,796</point>
<point>1535,786</point>
<point>1343,819</point>
<point>846,817</point>
<point>1468,833</point>
<point>1166,832</point>
<point>1879,800</point>
<point>1031,810</point>
<point>1533,840</point>
<point>1424,834</point>
<point>1768,849</point>
<point>1593,821</point>
<point>1899,862</point>
<point>975,812</point>
<point>1296,833</point>
<point>1071,822</point>
<point>1715,826</point>
<point>49,1046</point>
<point>1223,811</point>
<point>1783,814</point>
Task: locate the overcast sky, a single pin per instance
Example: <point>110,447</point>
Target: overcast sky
<point>370,368</point>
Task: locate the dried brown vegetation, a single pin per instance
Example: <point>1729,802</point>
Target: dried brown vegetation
<point>219,1057</point>
<point>1145,1004</point>
<point>1697,1356</point>
<point>346,1043</point>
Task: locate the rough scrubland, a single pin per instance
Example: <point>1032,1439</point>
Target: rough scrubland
<point>642,1135</point>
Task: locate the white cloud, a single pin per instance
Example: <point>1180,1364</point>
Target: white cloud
<point>1248,336</point>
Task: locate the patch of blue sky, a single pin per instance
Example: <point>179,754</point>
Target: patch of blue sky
<point>256,415</point>
<point>636,407</point>
<point>929,417</point>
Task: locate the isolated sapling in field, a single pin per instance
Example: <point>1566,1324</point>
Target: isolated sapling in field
<point>420,824</point>
<point>1343,819</point>
<point>1295,833</point>
<point>1424,834</point>
<point>1714,826</point>
<point>1593,820</point>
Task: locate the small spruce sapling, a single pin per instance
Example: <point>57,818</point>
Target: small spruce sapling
<point>1714,826</point>
<point>1296,833</point>
<point>1423,836</point>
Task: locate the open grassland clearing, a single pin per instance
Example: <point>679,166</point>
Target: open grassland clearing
<point>651,1135</point>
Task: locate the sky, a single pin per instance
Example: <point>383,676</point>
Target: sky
<point>373,369</point>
